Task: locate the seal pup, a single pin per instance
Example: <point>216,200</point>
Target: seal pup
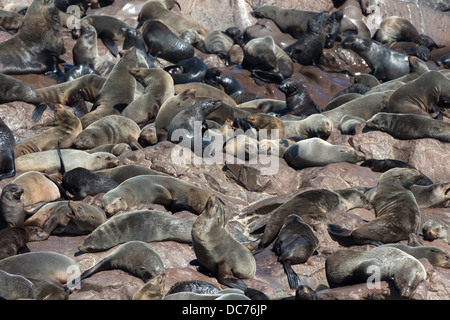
<point>422,95</point>
<point>158,87</point>
<point>217,251</point>
<point>140,225</point>
<point>386,64</point>
<point>15,90</point>
<point>410,126</point>
<point>26,53</point>
<point>435,256</point>
<point>346,267</point>
<point>12,212</point>
<point>14,241</point>
<point>298,100</point>
<point>436,229</point>
<point>396,210</point>
<point>135,257</point>
<point>431,196</point>
<point>296,242</point>
<point>66,128</point>
<point>314,152</point>
<point>107,130</point>
<point>187,70</point>
<point>37,187</point>
<point>173,193</point>
<point>7,151</point>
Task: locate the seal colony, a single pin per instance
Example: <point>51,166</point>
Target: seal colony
<point>113,189</point>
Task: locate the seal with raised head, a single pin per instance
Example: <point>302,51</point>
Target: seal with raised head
<point>346,267</point>
<point>66,128</point>
<point>318,152</point>
<point>12,213</point>
<point>296,242</point>
<point>173,193</point>
<point>217,251</point>
<point>140,225</point>
<point>135,257</point>
<point>436,229</point>
<point>410,126</point>
<point>158,87</point>
<point>7,151</point>
<point>396,210</point>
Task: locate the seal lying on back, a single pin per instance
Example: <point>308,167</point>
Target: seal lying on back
<point>217,251</point>
<point>346,267</point>
<point>171,192</point>
<point>141,225</point>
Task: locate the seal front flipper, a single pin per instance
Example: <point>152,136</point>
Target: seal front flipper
<point>293,279</point>
<point>38,111</point>
<point>110,44</point>
<point>177,205</point>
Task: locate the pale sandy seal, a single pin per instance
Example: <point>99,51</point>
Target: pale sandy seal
<point>318,152</point>
<point>436,229</point>
<point>12,213</point>
<point>346,267</point>
<point>37,188</point>
<point>141,225</point>
<point>135,257</point>
<point>217,251</point>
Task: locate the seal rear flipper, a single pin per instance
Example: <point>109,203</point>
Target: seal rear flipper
<point>233,283</point>
<point>293,279</point>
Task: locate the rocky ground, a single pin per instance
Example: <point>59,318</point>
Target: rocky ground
<point>246,192</point>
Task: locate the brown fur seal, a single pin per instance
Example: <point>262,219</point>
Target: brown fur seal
<point>386,64</point>
<point>48,161</point>
<point>135,257</point>
<point>26,53</point>
<point>117,91</point>
<point>410,126</point>
<point>159,87</point>
<point>13,287</point>
<point>204,90</point>
<point>346,267</point>
<point>14,241</point>
<point>422,95</point>
<point>171,192</point>
<point>396,211</point>
<point>10,20</point>
<point>218,42</point>
<point>348,124</point>
<point>115,148</point>
<point>66,128</point>
<point>124,172</point>
<point>217,251</point>
<point>435,195</point>
<point>109,129</point>
<point>37,188</point>
<point>435,256</point>
<point>296,242</point>
<point>16,90</point>
<point>308,202</point>
<point>396,29</point>
<point>318,152</point>
<point>160,9</point>
<point>7,152</point>
<point>267,60</point>
<point>141,225</point>
<point>152,290</point>
<point>12,213</point>
<point>436,229</point>
<point>148,136</point>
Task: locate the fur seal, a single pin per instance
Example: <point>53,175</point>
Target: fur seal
<point>12,213</point>
<point>16,90</point>
<point>117,91</point>
<point>386,64</point>
<point>37,188</point>
<point>134,38</point>
<point>26,53</point>
<point>158,87</point>
<point>435,256</point>
<point>160,9</point>
<point>436,229</point>
<point>333,28</point>
<point>340,100</point>
<point>135,257</point>
<point>296,242</point>
<point>422,95</point>
<point>318,152</point>
<point>266,60</point>
<point>220,43</point>
<point>395,29</point>
<point>346,267</point>
<point>148,136</point>
<point>203,90</point>
<point>141,225</point>
<point>187,70</point>
<point>13,287</point>
<point>308,48</point>
<point>410,126</point>
<point>308,202</point>
<point>78,71</point>
<point>444,61</point>
<point>217,251</point>
<point>14,241</point>
<point>48,161</point>
<point>124,172</point>
<point>163,43</point>
<point>195,286</point>
<point>348,124</point>
<point>109,129</point>
<point>173,193</point>
<point>66,128</point>
<point>396,210</point>
<point>7,151</point>
<point>10,20</point>
<point>298,100</point>
<point>435,195</point>
<point>152,290</point>
<point>115,148</point>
